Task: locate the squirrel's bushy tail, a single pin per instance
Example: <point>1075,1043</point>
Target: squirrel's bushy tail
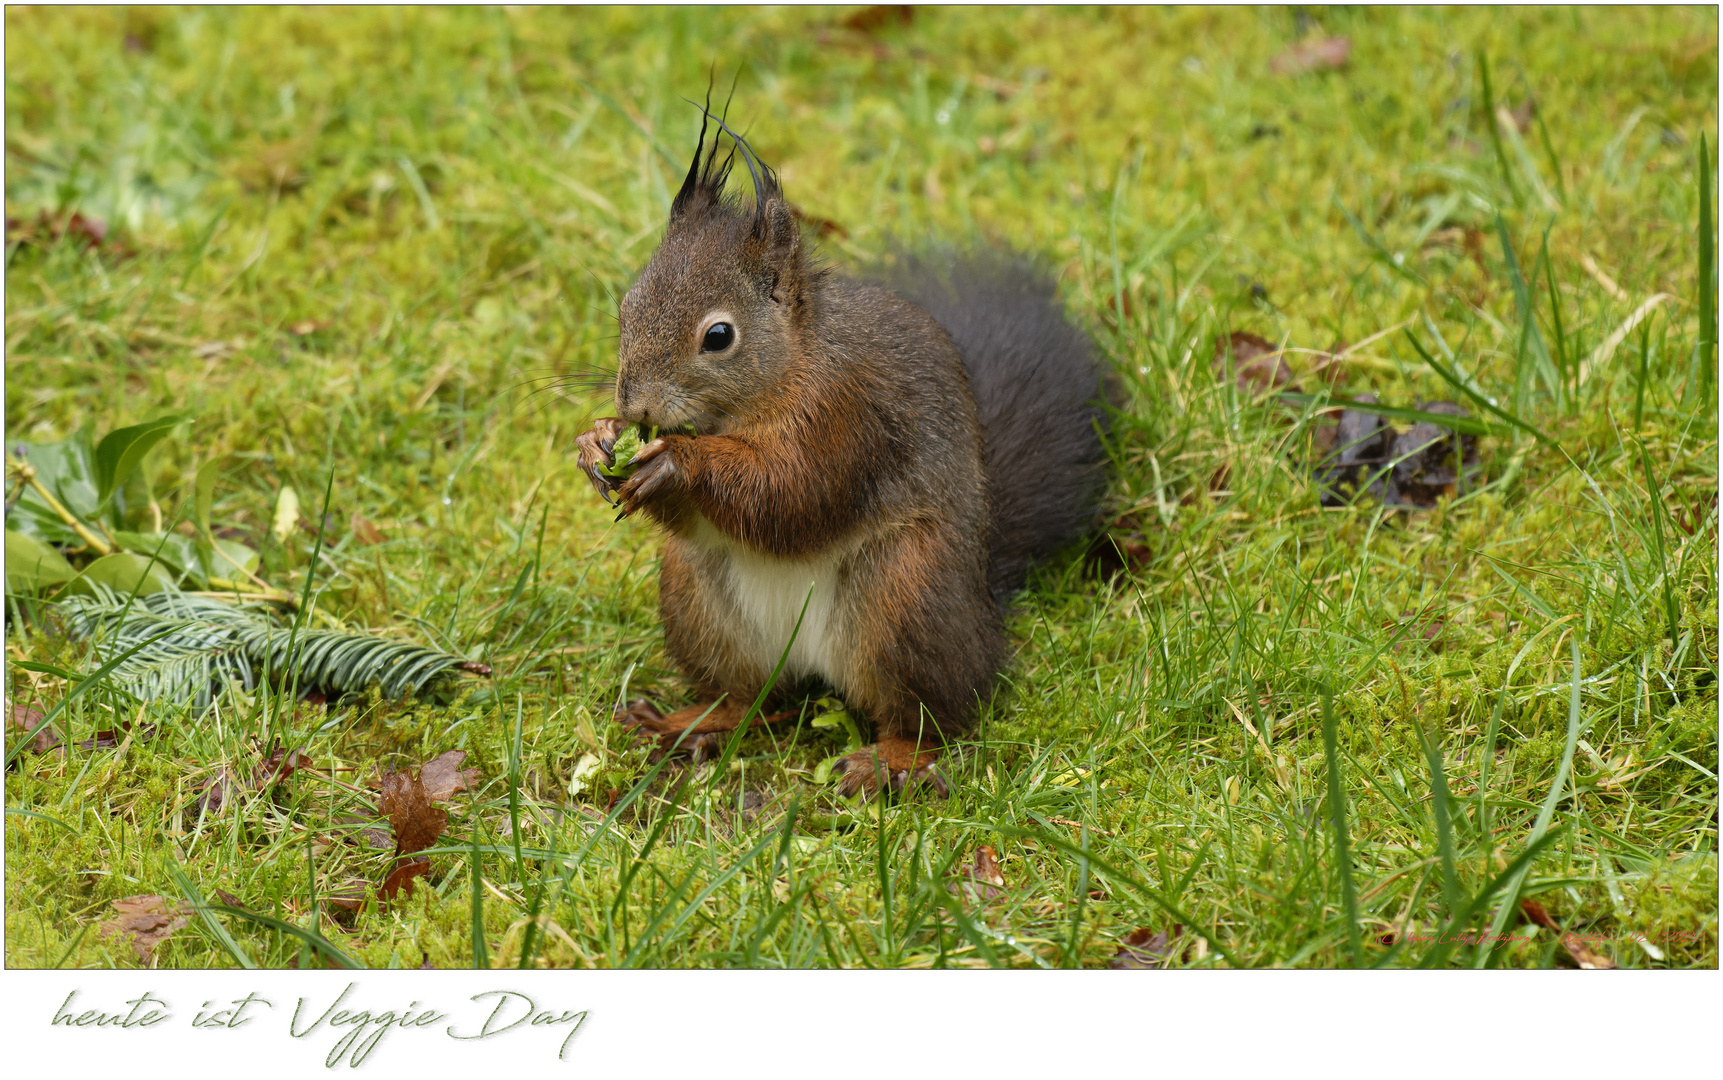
<point>1038,387</point>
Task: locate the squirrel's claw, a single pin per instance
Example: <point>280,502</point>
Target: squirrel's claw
<point>654,469</point>
<point>595,446</point>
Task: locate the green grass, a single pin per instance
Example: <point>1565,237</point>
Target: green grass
<point>378,249</point>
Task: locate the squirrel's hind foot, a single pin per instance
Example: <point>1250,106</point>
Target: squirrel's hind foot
<point>705,724</point>
<point>899,764</point>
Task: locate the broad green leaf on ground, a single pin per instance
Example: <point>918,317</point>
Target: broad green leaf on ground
<point>123,572</point>
<point>194,557</point>
<point>177,551</point>
<point>204,488</point>
<point>67,470</point>
<point>32,564</point>
<point>120,452</point>
<point>226,559</point>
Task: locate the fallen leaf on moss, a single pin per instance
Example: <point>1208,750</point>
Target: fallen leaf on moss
<point>349,897</point>
<point>218,792</point>
<point>21,719</point>
<point>1425,465</point>
<point>1359,455</point>
<point>1574,944</point>
<point>281,764</point>
<point>108,738</point>
<point>1258,365</point>
<point>1144,949</point>
<point>401,878</point>
<point>416,823</point>
<point>443,776</point>
<point>229,784</point>
<point>145,921</point>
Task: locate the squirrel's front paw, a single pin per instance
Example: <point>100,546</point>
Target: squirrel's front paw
<point>656,475</point>
<point>595,446</point>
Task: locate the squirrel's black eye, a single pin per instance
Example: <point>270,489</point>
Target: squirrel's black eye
<point>718,337</point>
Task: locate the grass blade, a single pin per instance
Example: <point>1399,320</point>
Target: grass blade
<point>1510,903</point>
<point>1342,843</point>
<point>481,952</point>
<point>1491,126</point>
<point>1478,399</point>
<point>1707,344</point>
<point>210,922</point>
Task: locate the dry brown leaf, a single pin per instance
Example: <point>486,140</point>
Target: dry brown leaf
<point>1257,363</point>
<point>366,834</point>
<point>108,738</point>
<point>229,784</point>
<point>443,776</point>
<point>146,921</point>
<point>22,719</point>
<point>402,878</point>
<point>1143,949</point>
<point>47,228</point>
<point>1424,465</point>
<point>986,867</point>
<point>416,823</point>
<point>1574,944</point>
<point>1312,54</point>
<point>219,791</point>
<point>1583,955</point>
<point>282,764</point>
<point>348,900</point>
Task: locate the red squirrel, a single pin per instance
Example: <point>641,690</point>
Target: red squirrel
<point>904,453</point>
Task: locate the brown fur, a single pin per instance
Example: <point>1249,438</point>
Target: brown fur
<point>837,442</point>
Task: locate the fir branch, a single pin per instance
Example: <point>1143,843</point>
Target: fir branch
<point>212,644</point>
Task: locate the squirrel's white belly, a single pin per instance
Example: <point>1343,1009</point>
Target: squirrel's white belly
<point>768,593</point>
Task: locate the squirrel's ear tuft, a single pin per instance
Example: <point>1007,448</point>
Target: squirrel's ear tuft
<point>699,189</point>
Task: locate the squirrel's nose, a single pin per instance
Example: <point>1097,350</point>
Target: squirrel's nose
<point>628,407</point>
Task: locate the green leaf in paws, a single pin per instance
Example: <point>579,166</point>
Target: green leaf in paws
<point>628,444</point>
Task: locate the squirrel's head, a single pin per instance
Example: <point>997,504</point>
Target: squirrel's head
<point>711,324</point>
